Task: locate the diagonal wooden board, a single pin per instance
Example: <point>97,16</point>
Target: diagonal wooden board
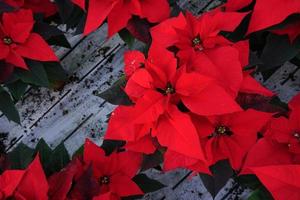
<point>73,114</point>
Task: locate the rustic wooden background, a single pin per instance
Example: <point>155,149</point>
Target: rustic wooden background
<point>73,114</point>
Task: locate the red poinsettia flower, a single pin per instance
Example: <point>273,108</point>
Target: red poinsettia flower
<point>292,30</point>
<point>157,89</point>
<point>17,41</point>
<point>9,181</point>
<point>276,10</point>
<point>114,172</point>
<point>34,184</point>
<point>282,181</point>
<point>161,76</point>
<point>119,12</point>
<point>190,34</point>
<point>230,136</point>
<point>37,6</point>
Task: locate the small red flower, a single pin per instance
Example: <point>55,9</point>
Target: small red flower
<point>281,180</point>
<point>113,173</point>
<point>118,13</point>
<point>276,10</point>
<point>230,136</point>
<point>37,6</point>
<point>17,41</point>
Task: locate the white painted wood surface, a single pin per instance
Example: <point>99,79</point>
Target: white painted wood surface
<point>73,114</point>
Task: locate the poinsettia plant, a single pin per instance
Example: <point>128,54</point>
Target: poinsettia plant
<point>28,29</point>
<point>189,100</point>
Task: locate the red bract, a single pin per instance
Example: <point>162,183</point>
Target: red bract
<point>33,184</point>
<point>19,42</point>
<point>275,10</point>
<point>281,180</point>
<point>37,6</point>
<point>190,34</point>
<point>230,136</point>
<point>114,172</point>
<point>173,160</point>
<point>268,152</point>
<point>61,182</point>
<point>9,181</point>
<point>118,13</point>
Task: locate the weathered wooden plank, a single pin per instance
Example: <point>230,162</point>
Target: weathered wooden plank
<point>45,100</point>
<point>280,82</point>
<point>192,188</point>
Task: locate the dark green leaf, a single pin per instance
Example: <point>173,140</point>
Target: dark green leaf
<point>140,29</point>
<point>56,74</point>
<point>46,30</point>
<point>116,94</point>
<point>110,146</point>
<point>278,50</point>
<point>59,40</point>
<point>248,181</point>
<point>146,184</point>
<point>152,160</point>
<point>79,152</point>
<point>45,152</point>
<point>36,74</point>
<point>222,172</point>
<point>260,194</point>
<point>7,107</point>
<point>59,158</point>
<point>21,156</point>
<point>5,7</point>
<point>127,37</point>
<point>17,89</point>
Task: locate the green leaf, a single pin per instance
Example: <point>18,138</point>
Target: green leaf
<point>126,36</point>
<point>45,152</point>
<point>222,172</point>
<point>59,158</point>
<point>21,156</point>
<point>36,74</point>
<point>278,50</point>
<point>79,152</point>
<point>109,146</point>
<point>56,74</point>
<point>249,181</point>
<point>7,107</point>
<point>116,95</point>
<point>260,194</point>
<point>17,89</point>
<point>146,184</point>
<point>59,40</point>
<point>152,160</point>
